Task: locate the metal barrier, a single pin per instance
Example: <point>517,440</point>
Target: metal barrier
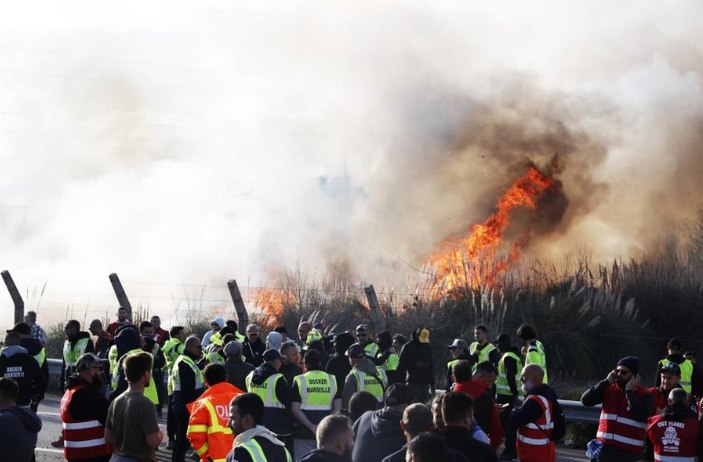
<point>573,410</point>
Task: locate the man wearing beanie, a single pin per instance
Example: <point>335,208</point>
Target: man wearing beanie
<point>623,418</point>
<point>237,369</point>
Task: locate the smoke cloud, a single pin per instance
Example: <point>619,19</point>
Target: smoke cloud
<point>182,143</point>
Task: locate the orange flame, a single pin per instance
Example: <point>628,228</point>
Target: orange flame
<point>273,302</point>
<point>470,261</point>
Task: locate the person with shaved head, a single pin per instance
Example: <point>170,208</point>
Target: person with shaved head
<point>534,420</point>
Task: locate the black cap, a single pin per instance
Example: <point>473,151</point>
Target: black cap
<point>271,355</point>
<point>356,351</point>
<point>21,328</point>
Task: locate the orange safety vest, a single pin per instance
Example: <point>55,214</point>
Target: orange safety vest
<point>82,439</point>
<point>533,443</point>
<point>208,429</point>
<point>617,426</point>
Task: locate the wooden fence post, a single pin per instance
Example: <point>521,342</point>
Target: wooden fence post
<point>242,315</point>
<point>16,297</point>
<point>121,295</point>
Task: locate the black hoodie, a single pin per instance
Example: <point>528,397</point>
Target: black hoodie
<point>19,426</point>
<point>378,434</point>
<point>23,369</point>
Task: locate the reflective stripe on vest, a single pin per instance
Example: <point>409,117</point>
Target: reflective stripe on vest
<point>216,433</point>
<point>535,355</point>
<point>502,386</point>
<point>634,426</point>
<point>536,433</point>
<point>317,390</point>
<point>82,439</point>
<point>659,458</point>
<point>366,382</point>
<point>256,452</point>
<point>176,378</point>
<point>266,390</point>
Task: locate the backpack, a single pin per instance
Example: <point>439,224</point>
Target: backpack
<point>559,422</point>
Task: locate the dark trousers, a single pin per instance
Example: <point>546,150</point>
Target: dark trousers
<point>170,420</point>
<point>420,393</point>
<point>160,387</point>
<point>181,445</point>
<point>510,435</point>
<point>613,454</point>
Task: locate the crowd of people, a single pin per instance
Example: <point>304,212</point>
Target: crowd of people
<point>349,396</point>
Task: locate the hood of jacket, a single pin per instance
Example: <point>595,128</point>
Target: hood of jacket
<point>386,423</point>
<point>262,373</point>
<point>127,340</point>
<point>473,388</point>
<point>12,350</point>
<point>366,366</point>
<point>27,417</point>
<point>32,345</point>
<point>676,358</point>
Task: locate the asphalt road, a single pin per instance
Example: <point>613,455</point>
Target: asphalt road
<point>51,428</point>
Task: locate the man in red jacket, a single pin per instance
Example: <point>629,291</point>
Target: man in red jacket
<point>674,434</point>
<point>479,389</point>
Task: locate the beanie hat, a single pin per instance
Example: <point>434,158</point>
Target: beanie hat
<point>233,348</point>
<point>632,363</point>
<point>274,339</point>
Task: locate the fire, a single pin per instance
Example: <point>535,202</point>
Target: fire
<point>470,261</point>
<point>273,302</point>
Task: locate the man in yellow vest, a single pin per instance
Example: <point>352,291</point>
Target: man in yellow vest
<point>77,343</point>
<point>129,341</point>
<point>482,350</point>
<point>271,386</point>
<point>533,350</point>
<point>364,376</point>
<point>188,384</point>
<point>459,351</point>
<point>364,339</point>
<point>254,442</point>
<point>508,386</point>
<point>673,348</point>
<point>172,349</point>
<point>314,395</point>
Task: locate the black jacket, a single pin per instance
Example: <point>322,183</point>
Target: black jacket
<point>253,352</point>
<point>19,426</point>
<point>88,403</point>
<point>378,434</point>
<point>289,371</point>
<point>641,407</point>
<point>237,371</point>
<point>415,365</point>
<point>461,439</point>
<point>339,366</point>
<point>17,364</point>
<point>320,455</point>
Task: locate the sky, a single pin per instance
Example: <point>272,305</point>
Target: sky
<point>183,144</point>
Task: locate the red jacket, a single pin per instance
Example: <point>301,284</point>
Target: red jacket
<point>673,438</point>
<point>485,410</point>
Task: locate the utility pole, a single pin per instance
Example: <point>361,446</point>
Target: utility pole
<point>121,295</point>
<point>15,295</point>
<point>242,315</point>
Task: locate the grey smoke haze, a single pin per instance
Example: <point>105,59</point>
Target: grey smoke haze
<point>190,143</point>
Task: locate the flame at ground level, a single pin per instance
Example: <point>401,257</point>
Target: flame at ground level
<point>470,261</point>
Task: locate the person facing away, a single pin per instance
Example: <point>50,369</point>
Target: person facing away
<point>338,365</point>
<point>387,358</point>
<point>20,366</point>
<point>626,405</point>
<point>84,412</point>
<point>363,376</point>
<point>35,348</point>
<point>253,442</point>
<point>335,440</point>
<point>415,366</point>
<point>237,368</point>
<point>427,447</point>
<point>417,418</point>
<point>208,428</point>
<point>19,425</point>
<point>131,426</point>
<point>378,433</point>
<point>457,413</point>
<point>314,395</point>
<point>674,434</point>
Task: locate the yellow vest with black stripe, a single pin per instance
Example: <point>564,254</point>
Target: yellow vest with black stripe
<point>535,355</point>
<point>275,416</point>
<point>686,368</point>
<point>366,382</point>
<point>150,390</point>
<point>71,353</point>
<point>256,452</point>
<point>502,386</point>
<point>175,377</point>
<point>317,390</point>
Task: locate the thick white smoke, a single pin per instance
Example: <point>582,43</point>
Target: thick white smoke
<point>184,142</point>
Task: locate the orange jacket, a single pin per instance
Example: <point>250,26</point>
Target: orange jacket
<point>208,431</point>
